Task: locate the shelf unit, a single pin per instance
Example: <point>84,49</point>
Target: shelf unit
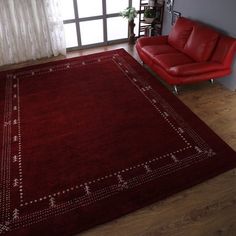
<point>154,28</point>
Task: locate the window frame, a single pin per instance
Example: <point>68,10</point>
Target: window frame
<point>103,17</point>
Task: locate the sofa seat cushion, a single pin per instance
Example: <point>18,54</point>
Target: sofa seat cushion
<point>201,43</point>
<point>170,60</point>
<point>196,68</point>
<point>159,49</point>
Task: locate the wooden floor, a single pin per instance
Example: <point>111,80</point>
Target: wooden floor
<point>207,209</point>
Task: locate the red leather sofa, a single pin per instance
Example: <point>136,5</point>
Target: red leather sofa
<point>192,52</point>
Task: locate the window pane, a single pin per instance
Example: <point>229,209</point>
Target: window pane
<point>116,6</point>
<point>117,28</point>
<point>91,32</point>
<point>136,4</point>
<point>136,30</point>
<point>71,35</point>
<point>88,8</point>
<point>67,9</point>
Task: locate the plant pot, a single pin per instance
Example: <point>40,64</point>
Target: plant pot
<point>148,20</point>
<point>131,32</point>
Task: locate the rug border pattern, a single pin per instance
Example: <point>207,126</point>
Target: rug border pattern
<point>15,221</point>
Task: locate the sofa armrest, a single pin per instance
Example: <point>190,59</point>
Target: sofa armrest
<point>225,51</point>
<point>145,41</point>
<point>195,68</point>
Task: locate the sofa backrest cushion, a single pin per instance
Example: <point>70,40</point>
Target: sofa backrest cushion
<point>180,33</point>
<point>201,43</point>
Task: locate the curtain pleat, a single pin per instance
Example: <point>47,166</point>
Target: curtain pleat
<point>30,29</point>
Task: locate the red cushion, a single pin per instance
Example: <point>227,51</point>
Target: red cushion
<point>180,33</point>
<point>201,43</point>
<point>195,68</point>
<point>159,49</point>
<point>174,79</point>
<point>225,50</point>
<point>173,59</point>
<point>144,41</point>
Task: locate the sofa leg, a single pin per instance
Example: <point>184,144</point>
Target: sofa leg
<point>212,81</point>
<point>175,91</point>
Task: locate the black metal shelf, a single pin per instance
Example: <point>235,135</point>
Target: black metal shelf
<point>154,28</point>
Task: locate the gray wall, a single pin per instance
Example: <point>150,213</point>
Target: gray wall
<point>220,14</point>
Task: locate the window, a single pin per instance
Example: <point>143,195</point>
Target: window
<point>114,6</point>
<point>97,22</point>
<point>71,35</point>
<point>88,8</point>
<point>93,36</point>
<point>67,9</point>
<point>116,28</point>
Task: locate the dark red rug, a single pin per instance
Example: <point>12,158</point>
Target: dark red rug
<point>92,138</point>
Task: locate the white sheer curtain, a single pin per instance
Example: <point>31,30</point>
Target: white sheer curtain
<point>30,29</point>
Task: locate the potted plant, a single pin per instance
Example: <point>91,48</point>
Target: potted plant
<point>149,15</point>
<point>130,13</point>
